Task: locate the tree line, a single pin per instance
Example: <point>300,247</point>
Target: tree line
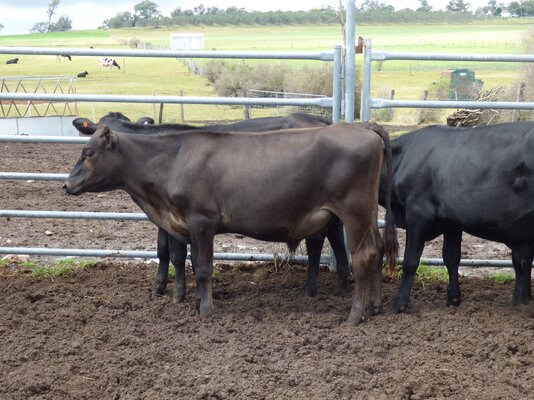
<point>146,13</point>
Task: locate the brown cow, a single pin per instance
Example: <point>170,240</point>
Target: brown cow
<point>280,186</point>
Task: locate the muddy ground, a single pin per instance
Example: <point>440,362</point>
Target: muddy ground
<point>98,333</point>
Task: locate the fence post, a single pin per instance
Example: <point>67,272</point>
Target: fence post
<point>389,114</point>
<point>350,63</point>
<point>182,118</point>
<point>422,111</point>
<point>336,85</point>
<point>160,116</point>
<point>520,98</point>
<point>366,84</point>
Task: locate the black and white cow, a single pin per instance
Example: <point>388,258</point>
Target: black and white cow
<point>107,62</point>
<point>60,57</point>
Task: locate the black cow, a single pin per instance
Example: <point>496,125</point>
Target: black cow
<point>169,249</point>
<point>82,74</point>
<point>118,121</point>
<point>12,61</point>
<point>281,186</point>
<point>476,180</point>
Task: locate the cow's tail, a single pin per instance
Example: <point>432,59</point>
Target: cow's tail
<point>391,243</point>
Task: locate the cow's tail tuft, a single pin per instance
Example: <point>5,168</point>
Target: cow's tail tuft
<point>391,243</point>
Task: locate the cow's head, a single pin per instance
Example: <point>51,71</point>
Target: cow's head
<point>99,167</point>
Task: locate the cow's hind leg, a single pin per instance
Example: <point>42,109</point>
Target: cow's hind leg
<point>178,253</point>
<point>202,233</point>
<point>314,245</point>
<point>452,246</point>
<point>336,237</point>
<point>365,258</point>
<point>522,256</point>
<point>163,266</point>
<point>412,255</point>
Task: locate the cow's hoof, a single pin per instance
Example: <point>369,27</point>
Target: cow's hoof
<point>178,299</point>
<point>308,292</point>
<point>399,308</point>
<point>355,320</point>
<point>454,301</point>
<point>158,292</point>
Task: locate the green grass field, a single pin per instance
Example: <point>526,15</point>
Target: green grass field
<point>142,76</point>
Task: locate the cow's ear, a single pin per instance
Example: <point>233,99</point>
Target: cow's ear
<point>109,137</point>
<point>84,126</point>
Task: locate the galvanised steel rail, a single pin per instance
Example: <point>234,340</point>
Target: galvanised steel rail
<point>38,251</point>
<point>325,259</point>
<point>251,55</point>
<point>369,103</point>
<point>333,102</point>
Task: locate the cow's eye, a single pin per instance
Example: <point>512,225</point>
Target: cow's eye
<point>88,153</point>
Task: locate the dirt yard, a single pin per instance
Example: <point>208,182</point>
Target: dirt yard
<point>98,333</point>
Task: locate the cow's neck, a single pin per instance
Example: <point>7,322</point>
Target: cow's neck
<point>147,171</point>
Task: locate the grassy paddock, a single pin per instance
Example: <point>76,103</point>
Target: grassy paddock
<point>146,76</point>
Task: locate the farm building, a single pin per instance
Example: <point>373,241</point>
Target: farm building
<point>187,41</point>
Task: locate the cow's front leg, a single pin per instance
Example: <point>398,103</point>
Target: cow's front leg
<point>178,253</point>
<point>163,266</point>
<point>452,246</point>
<point>202,233</point>
<point>367,299</point>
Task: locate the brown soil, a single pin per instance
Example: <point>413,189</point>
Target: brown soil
<point>98,333</point>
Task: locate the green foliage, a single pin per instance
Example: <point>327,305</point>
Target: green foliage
<point>428,274</point>
<point>147,10</point>
<point>502,277</point>
<point>63,24</point>
<point>236,79</point>
<point>3,263</point>
<point>57,268</point>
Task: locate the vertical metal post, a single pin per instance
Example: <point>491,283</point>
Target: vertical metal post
<point>350,63</point>
<point>365,112</point>
<point>336,86</point>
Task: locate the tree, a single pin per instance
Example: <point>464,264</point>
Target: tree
<point>374,5</point>
<point>63,24</point>
<point>1,26</point>
<point>146,10</point>
<point>121,20</point>
<point>457,6</point>
<point>51,11</point>
<point>339,11</point>
<point>424,7</point>
<point>39,27</point>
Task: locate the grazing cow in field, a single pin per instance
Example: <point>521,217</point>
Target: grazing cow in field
<point>476,180</point>
<point>281,186</point>
<point>82,74</point>
<point>169,249</point>
<point>107,62</point>
<point>12,61</point>
<point>60,57</point>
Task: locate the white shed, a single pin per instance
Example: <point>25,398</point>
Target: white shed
<point>187,41</point>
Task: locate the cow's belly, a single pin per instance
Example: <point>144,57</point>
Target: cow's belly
<point>278,229</point>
